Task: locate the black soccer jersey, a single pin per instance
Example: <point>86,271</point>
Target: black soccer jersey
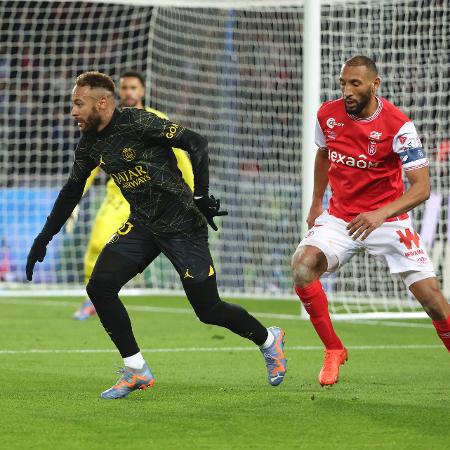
<point>135,149</point>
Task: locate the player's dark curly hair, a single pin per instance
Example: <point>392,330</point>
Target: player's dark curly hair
<point>133,74</point>
<point>361,60</point>
<point>95,79</point>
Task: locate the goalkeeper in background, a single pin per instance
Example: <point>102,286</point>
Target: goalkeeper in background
<point>115,210</point>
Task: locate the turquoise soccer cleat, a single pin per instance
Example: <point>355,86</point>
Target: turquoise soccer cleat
<point>130,380</point>
<point>274,357</point>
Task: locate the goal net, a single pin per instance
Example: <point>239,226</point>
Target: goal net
<point>233,73</point>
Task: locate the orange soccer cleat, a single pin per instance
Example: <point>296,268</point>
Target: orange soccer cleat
<point>331,364</point>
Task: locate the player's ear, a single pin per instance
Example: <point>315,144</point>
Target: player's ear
<point>102,102</point>
<point>376,84</point>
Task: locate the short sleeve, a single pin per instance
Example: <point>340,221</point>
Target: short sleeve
<point>408,147</point>
<point>319,136</point>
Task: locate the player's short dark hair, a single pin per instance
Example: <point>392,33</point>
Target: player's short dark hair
<point>133,74</point>
<point>95,79</point>
<point>361,60</point>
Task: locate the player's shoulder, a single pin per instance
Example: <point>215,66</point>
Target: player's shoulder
<point>156,112</point>
<point>136,117</point>
<point>331,107</point>
<point>392,114</point>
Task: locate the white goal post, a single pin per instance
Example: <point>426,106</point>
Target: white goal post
<point>249,75</point>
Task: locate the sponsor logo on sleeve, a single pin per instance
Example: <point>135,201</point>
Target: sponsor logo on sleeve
<point>170,133</point>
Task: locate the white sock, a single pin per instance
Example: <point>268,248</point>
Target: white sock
<point>269,340</point>
<point>136,361</point>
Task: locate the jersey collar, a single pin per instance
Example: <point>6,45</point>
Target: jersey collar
<point>110,127</point>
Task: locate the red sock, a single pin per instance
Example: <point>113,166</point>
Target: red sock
<point>443,331</point>
<point>315,302</point>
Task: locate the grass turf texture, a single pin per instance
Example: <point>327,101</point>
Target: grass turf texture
<point>386,398</point>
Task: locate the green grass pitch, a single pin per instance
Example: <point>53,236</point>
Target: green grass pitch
<point>393,392</point>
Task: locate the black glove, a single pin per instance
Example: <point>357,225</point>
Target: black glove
<point>210,207</point>
<point>37,253</point>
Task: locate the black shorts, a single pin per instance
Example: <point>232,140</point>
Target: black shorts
<point>189,255</point>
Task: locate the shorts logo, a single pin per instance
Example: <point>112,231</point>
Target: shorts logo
<point>402,139</point>
<point>128,154</point>
<point>211,271</point>
<point>422,260</point>
<point>331,123</point>
<point>125,228</point>
<point>172,131</point>
<point>409,238</point>
<point>187,274</point>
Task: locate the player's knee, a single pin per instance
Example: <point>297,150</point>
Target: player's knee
<point>101,288</point>
<point>212,316</point>
<point>306,266</point>
<point>434,304</point>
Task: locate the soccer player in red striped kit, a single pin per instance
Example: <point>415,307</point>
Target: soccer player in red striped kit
<point>364,142</point>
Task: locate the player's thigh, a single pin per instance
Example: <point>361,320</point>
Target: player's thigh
<point>190,256</point>
<point>128,253</point>
<point>330,236</point>
<point>400,247</point>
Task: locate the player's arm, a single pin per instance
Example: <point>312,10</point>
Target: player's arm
<point>321,166</point>
<point>183,161</point>
<point>68,198</point>
<point>417,193</point>
<point>72,220</point>
<point>174,135</point>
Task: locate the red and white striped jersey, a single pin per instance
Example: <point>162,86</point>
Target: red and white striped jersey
<point>366,156</point>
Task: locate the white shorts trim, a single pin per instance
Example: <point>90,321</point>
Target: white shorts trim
<point>412,277</point>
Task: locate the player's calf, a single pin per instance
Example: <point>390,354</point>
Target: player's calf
<point>429,295</point>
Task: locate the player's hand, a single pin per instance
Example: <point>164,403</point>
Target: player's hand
<point>72,220</point>
<point>363,224</point>
<point>210,208</point>
<point>314,212</point>
<point>37,253</point>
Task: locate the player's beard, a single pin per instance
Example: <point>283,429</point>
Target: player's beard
<point>357,108</point>
<point>92,122</point>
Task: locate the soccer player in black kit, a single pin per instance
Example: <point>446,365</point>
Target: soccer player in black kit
<point>135,148</point>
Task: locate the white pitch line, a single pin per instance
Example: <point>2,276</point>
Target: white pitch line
<point>160,309</point>
<point>216,349</point>
<point>140,308</point>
